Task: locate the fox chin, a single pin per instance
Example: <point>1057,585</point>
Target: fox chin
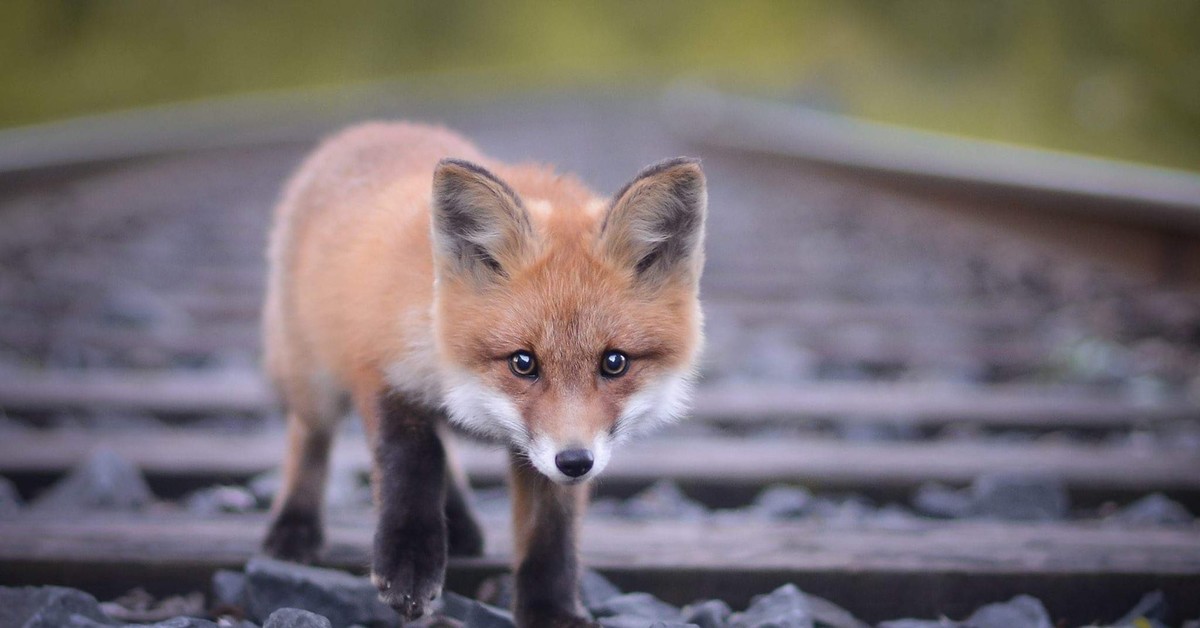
<point>433,287</point>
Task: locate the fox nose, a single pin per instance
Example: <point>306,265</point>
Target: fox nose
<point>574,462</point>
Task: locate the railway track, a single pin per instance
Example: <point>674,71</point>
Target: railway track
<point>861,344</point>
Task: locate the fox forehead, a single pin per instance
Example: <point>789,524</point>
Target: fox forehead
<point>567,307</point>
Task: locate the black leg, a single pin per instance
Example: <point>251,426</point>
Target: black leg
<point>547,575</point>
<point>296,530</point>
<point>409,564</point>
<point>464,534</point>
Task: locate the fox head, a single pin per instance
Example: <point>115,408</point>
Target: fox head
<point>566,322</point>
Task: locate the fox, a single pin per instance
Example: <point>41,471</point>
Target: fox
<point>439,292</point>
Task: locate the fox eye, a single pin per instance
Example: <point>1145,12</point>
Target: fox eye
<point>614,364</point>
<point>523,364</point>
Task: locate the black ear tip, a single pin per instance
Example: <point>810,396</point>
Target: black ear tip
<point>462,167</point>
<point>673,164</point>
<point>682,161</point>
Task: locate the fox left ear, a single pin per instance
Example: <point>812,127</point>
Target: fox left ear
<point>480,227</point>
<point>655,224</point>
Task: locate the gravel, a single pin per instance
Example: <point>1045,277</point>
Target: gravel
<point>663,499</point>
<point>636,605</point>
<point>49,607</point>
<point>629,621</point>
<point>105,481</point>
<point>1019,497</point>
<point>785,607</point>
<point>1150,612</point>
<point>1001,496</point>
<point>229,589</point>
<point>782,502</point>
<point>342,598</point>
<point>934,499</point>
<point>595,590</point>
<point>1153,509</point>
<point>303,597</point>
<point>826,614</point>
<point>1022,611</point>
<point>707,614</point>
<point>220,499</point>
<point>296,618</point>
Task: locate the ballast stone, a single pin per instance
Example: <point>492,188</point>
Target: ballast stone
<point>637,605</point>
<point>342,598</point>
<point>1019,497</point>
<point>105,481</point>
<point>49,607</point>
<point>1023,611</point>
<point>296,618</point>
<point>707,614</point>
<point>785,607</point>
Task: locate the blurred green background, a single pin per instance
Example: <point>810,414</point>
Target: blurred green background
<point>1119,78</point>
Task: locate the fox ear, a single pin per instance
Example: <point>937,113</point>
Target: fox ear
<point>480,227</point>
<point>655,224</point>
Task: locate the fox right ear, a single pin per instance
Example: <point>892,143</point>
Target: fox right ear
<point>655,225</point>
<point>480,227</point>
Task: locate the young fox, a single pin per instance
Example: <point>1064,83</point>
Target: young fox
<point>432,286</point>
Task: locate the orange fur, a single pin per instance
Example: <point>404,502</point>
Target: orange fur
<point>397,275</point>
<point>351,289</point>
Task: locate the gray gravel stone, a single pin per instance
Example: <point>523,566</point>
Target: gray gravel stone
<point>826,614</point>
<point>296,618</point>
<point>342,598</point>
<point>497,590</point>
<point>455,606</point>
<point>218,499</point>
<point>473,613</point>
<point>229,588</point>
<point>49,607</point>
<point>707,614</point>
<point>785,607</point>
<point>1019,497</point>
<point>1152,609</point>
<point>637,605</point>
<point>851,509</point>
<point>482,615</point>
<point>1022,611</point>
<point>264,486</point>
<point>1153,509</point>
<point>178,622</point>
<point>934,499</point>
<point>663,499</point>
<point>633,621</point>
<point>595,589</point>
<point>10,500</point>
<point>919,623</point>
<point>346,490</point>
<point>783,502</point>
<point>104,481</point>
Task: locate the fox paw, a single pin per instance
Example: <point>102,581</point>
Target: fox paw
<point>409,569</point>
<point>295,535</point>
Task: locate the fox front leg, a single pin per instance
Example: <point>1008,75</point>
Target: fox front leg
<point>409,563</point>
<point>545,526</point>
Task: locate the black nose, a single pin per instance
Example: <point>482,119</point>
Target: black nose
<point>574,462</point>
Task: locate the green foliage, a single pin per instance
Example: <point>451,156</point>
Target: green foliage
<point>1116,77</point>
